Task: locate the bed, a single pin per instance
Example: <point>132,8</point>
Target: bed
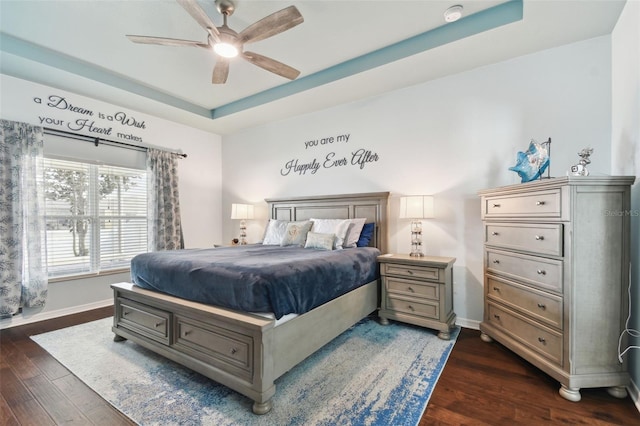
<point>248,351</point>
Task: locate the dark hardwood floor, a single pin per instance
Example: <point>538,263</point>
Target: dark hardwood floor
<point>482,384</point>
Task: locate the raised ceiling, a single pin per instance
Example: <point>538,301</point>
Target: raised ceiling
<point>345,50</point>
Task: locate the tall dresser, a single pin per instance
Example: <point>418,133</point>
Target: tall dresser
<point>556,276</point>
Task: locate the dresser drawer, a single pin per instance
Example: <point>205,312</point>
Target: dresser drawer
<point>412,271</point>
<point>538,271</point>
<point>410,306</point>
<point>534,238</point>
<point>412,288</point>
<point>145,320</point>
<point>542,306</point>
<point>532,204</point>
<point>537,337</point>
<point>226,349</point>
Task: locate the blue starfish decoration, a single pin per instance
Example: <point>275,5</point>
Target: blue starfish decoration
<point>532,163</point>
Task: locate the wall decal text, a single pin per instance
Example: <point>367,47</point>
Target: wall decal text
<point>97,124</point>
<point>332,160</point>
<point>326,140</point>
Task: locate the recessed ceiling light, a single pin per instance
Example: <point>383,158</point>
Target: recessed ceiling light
<point>453,13</point>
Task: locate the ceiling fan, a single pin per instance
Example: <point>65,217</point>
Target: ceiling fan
<point>227,43</point>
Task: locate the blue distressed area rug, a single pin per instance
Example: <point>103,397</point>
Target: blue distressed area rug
<point>369,375</point>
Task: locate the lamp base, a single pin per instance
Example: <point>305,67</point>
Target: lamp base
<point>243,233</point>
<point>416,239</point>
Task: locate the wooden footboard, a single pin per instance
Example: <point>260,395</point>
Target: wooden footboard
<point>242,351</point>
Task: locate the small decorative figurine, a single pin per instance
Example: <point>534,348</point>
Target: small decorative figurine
<point>580,169</point>
<point>532,163</point>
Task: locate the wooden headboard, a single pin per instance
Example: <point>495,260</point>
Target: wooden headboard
<point>371,205</point>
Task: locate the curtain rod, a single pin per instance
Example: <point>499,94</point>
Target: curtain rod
<point>97,141</point>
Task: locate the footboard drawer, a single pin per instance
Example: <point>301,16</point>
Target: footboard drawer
<point>143,319</point>
<point>227,349</point>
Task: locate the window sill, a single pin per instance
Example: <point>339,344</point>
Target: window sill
<point>91,275</point>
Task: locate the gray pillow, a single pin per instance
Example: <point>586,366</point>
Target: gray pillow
<point>295,233</point>
<point>320,241</point>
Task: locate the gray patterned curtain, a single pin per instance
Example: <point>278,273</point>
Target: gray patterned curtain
<point>23,272</point>
<point>165,227</point>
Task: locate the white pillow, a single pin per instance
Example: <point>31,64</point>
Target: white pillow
<point>320,241</point>
<point>353,232</point>
<point>338,227</point>
<point>276,230</point>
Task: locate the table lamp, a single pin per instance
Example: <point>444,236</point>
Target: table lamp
<point>416,207</point>
<point>242,212</point>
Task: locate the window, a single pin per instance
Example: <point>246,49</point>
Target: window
<point>96,216</point>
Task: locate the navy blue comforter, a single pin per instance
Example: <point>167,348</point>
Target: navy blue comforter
<point>257,278</point>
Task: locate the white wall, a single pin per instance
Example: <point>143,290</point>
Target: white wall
<point>200,178</point>
<point>625,145</point>
<point>449,137</point>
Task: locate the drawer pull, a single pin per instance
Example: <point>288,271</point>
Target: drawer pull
<point>496,316</point>
<point>125,313</point>
<point>494,233</point>
<point>497,206</point>
<point>540,203</point>
<point>186,333</point>
<point>158,324</point>
<point>542,340</point>
<point>541,272</point>
<point>411,308</point>
<point>409,271</point>
<point>539,237</point>
<point>496,261</point>
<point>496,289</point>
<point>410,289</point>
<point>542,306</point>
<point>234,351</point>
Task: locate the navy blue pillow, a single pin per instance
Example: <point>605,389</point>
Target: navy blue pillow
<point>366,234</point>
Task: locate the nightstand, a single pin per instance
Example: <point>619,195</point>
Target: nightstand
<point>418,290</point>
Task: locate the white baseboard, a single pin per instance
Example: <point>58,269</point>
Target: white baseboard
<point>22,319</point>
<point>634,393</point>
<point>468,323</point>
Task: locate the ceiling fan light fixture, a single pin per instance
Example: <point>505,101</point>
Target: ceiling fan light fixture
<point>227,43</point>
<point>226,50</point>
<point>453,13</point>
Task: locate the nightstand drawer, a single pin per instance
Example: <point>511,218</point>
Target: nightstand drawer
<point>412,288</point>
<point>411,271</point>
<point>538,271</point>
<point>410,306</point>
<point>538,238</point>
<point>217,345</point>
<point>542,340</point>
<point>533,204</point>
<point>542,306</point>
<point>150,322</point>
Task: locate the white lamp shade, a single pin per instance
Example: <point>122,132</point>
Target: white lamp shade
<point>241,211</point>
<point>416,207</point>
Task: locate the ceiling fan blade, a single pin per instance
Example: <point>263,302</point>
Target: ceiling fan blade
<point>220,71</point>
<point>196,12</point>
<point>271,25</point>
<point>271,65</point>
<point>165,41</point>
